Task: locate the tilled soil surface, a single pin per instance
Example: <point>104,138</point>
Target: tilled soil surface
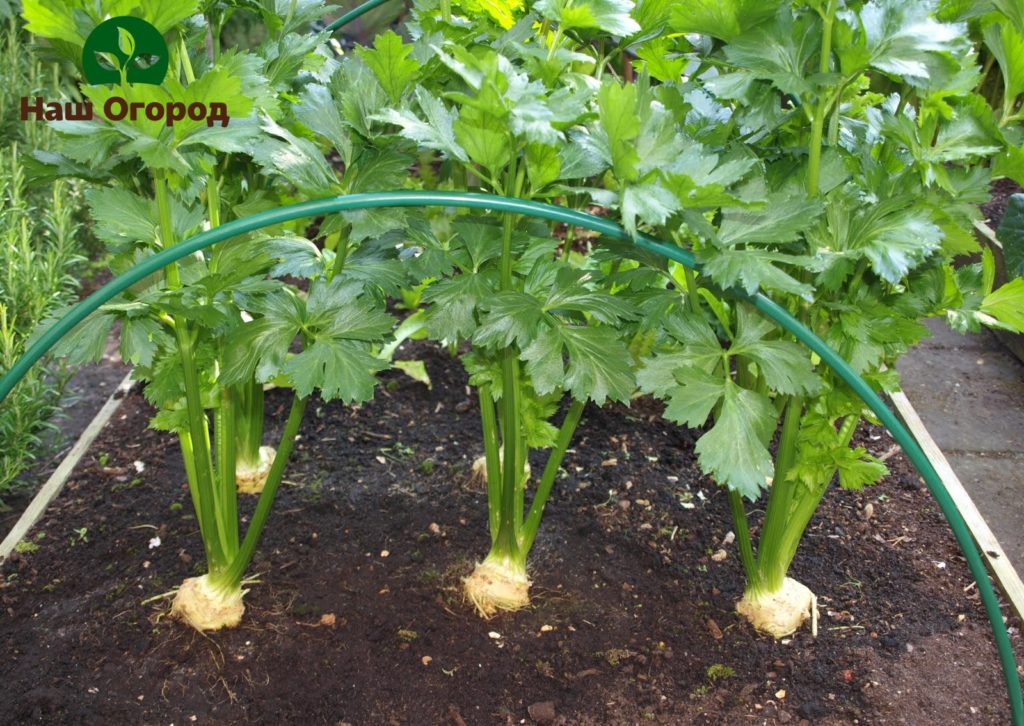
<point>358,618</point>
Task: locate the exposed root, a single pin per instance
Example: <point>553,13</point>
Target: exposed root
<point>494,586</point>
<point>250,479</point>
<point>478,472</point>
<point>779,613</point>
<point>206,607</point>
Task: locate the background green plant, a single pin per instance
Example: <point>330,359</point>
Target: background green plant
<point>40,239</point>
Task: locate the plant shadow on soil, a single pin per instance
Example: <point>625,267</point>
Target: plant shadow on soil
<point>358,616</point>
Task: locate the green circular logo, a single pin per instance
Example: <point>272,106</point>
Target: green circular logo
<point>125,49</point>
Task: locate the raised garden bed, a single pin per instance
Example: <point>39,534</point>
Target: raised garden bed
<point>361,619</point>
<point>818,165</point>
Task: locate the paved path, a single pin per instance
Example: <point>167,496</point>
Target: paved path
<point>969,391</point>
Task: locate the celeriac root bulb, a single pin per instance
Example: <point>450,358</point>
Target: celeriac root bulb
<point>496,586</point>
<point>250,479</point>
<point>779,613</point>
<point>206,607</point>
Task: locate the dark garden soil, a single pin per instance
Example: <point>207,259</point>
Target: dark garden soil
<point>1001,191</point>
<point>358,617</point>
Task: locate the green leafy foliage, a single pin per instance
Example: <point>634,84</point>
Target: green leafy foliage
<point>611,16</point>
<point>1011,235</point>
<point>725,20</point>
<point>390,62</point>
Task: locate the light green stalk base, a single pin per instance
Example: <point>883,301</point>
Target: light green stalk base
<point>207,607</point>
<point>782,612</point>
<point>497,584</point>
<point>249,477</point>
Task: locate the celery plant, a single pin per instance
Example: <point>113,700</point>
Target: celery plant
<point>844,204</point>
<point>213,329</point>
<point>541,329</point>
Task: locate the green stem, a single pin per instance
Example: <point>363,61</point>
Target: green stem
<point>804,503</point>
<point>213,198</point>
<point>520,505</point>
<point>848,428</point>
<point>507,541</point>
<point>984,73</point>
<point>207,522</point>
<point>606,62</point>
<point>833,127</point>
<point>506,538</point>
<point>491,456</point>
<point>547,479</point>
<point>412,325</point>
<point>240,563</point>
<point>570,234</point>
<point>248,406</point>
<point>186,62</point>
<point>788,438</point>
<point>341,256</point>
<point>446,10</point>
<point>198,426</point>
<point>858,274</point>
<point>555,40</point>
<point>692,296</point>
<point>772,564</point>
<point>818,125</point>
<point>742,527</point>
<point>225,446</point>
<point>215,30</point>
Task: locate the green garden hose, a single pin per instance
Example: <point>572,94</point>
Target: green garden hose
<point>353,14</point>
<point>555,213</point>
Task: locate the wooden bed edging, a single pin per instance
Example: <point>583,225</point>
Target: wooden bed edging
<point>59,477</point>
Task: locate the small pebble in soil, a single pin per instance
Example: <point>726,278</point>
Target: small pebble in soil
<point>812,710</point>
<point>890,641</point>
<point>542,712</point>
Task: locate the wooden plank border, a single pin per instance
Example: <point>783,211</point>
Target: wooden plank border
<point>998,563</point>
<point>56,482</point>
